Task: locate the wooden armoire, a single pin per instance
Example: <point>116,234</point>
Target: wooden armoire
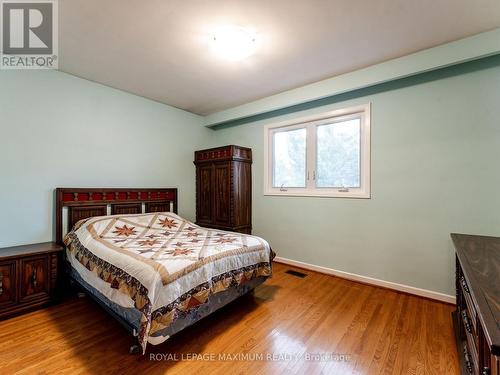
<point>224,188</point>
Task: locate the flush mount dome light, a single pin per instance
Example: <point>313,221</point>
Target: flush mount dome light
<point>233,42</point>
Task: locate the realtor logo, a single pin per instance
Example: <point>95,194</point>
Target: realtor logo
<point>29,34</point>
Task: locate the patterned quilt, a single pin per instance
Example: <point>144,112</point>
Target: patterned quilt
<point>163,264</point>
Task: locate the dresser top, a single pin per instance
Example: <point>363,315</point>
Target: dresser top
<point>26,250</point>
<point>480,260</point>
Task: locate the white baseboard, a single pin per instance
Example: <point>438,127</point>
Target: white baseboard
<point>370,280</point>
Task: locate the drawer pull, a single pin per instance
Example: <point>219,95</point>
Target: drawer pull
<point>1,283</point>
<point>464,284</point>
<point>486,371</point>
<point>468,363</point>
<point>466,320</point>
<point>33,279</point>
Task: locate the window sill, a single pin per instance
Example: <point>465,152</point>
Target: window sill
<point>327,194</point>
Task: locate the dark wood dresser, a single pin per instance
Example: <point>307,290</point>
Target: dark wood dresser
<point>28,276</point>
<point>224,188</point>
<point>477,318</point>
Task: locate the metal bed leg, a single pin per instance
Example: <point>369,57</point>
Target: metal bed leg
<point>135,348</point>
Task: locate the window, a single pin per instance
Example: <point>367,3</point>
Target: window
<point>322,155</point>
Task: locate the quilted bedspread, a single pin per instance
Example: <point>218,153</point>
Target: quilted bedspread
<point>162,264</point>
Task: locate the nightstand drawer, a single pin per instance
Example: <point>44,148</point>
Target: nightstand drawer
<point>34,278</point>
<point>7,283</point>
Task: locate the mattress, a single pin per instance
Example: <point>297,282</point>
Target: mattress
<point>163,265</point>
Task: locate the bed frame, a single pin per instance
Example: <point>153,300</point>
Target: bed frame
<point>82,203</point>
<point>74,204</point>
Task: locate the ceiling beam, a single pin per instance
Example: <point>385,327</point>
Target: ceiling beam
<point>463,50</point>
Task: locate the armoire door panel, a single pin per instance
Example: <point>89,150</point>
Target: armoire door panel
<point>204,193</point>
<point>242,184</point>
<point>222,193</point>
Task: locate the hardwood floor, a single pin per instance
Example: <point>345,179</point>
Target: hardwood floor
<point>377,330</point>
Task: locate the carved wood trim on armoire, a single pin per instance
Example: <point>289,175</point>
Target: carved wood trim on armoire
<point>224,188</point>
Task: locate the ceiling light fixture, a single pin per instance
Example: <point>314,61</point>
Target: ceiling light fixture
<point>234,42</point>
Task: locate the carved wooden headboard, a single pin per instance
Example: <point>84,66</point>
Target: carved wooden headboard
<point>87,202</point>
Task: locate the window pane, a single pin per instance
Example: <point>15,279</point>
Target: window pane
<point>338,154</point>
<point>289,166</point>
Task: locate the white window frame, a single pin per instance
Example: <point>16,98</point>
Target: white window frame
<point>310,123</point>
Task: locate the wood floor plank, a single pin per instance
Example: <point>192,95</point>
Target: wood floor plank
<point>287,319</point>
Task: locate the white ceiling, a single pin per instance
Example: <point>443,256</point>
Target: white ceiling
<point>158,48</point>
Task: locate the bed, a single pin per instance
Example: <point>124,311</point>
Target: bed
<point>152,270</point>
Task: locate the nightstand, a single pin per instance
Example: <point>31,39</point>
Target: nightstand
<point>28,276</point>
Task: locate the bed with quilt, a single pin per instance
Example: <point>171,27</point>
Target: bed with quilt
<point>158,273</point>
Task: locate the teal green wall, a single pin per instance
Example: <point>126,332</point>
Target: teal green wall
<point>59,130</point>
<point>435,170</point>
